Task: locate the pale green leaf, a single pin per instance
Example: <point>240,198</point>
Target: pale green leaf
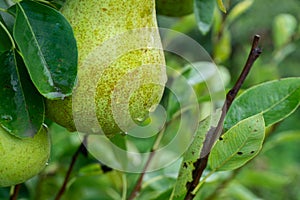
<point>284,27</point>
<point>239,9</point>
<point>275,99</point>
<point>191,156</point>
<point>221,6</point>
<point>238,145</point>
<point>223,49</point>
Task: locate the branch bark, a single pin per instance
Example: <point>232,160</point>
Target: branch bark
<point>81,149</point>
<point>215,132</point>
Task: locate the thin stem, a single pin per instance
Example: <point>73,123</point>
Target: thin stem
<point>8,34</point>
<point>124,180</point>
<point>138,185</point>
<point>3,10</point>
<point>14,195</point>
<point>80,149</point>
<point>215,132</point>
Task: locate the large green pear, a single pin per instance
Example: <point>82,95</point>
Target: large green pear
<point>174,8</point>
<point>121,66</point>
<point>21,159</point>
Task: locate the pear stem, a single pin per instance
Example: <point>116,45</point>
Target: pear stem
<point>14,195</point>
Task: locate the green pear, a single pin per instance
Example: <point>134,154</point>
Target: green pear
<point>21,159</point>
<point>121,66</point>
<point>174,8</point>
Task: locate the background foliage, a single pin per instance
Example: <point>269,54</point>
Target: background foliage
<point>273,174</point>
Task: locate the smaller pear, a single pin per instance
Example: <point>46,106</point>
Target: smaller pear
<point>174,8</point>
<point>21,159</point>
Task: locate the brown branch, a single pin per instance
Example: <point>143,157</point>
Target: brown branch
<point>215,132</point>
<point>14,195</point>
<point>138,185</point>
<point>81,149</point>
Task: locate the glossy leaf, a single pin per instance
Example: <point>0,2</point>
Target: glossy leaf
<point>284,26</point>
<point>21,106</point>
<point>48,47</point>
<point>238,145</point>
<point>5,43</point>
<point>275,99</point>
<point>204,12</point>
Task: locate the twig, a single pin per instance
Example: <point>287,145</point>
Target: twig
<point>81,149</point>
<point>15,193</point>
<point>215,132</point>
<point>138,185</point>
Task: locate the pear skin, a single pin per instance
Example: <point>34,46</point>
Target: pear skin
<point>121,66</point>
<point>21,159</point>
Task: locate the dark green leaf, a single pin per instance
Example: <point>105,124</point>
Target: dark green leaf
<point>204,12</point>
<point>5,43</point>
<point>48,46</point>
<point>21,106</point>
<point>275,99</point>
<point>238,145</point>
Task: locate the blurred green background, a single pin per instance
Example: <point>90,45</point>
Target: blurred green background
<point>273,175</point>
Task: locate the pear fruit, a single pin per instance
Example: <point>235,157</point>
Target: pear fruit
<point>174,8</point>
<point>21,159</point>
<point>121,66</point>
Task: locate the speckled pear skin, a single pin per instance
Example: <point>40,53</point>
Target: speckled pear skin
<point>107,82</point>
<point>174,8</point>
<point>21,159</point>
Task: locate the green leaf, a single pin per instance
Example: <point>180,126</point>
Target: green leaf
<point>221,6</point>
<point>5,43</point>
<point>48,47</point>
<point>239,9</point>
<point>223,49</point>
<point>284,26</point>
<point>191,156</point>
<point>282,138</point>
<point>21,106</point>
<point>275,99</point>
<point>204,12</point>
<point>238,145</point>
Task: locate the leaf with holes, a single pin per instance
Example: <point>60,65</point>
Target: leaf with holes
<point>275,99</point>
<point>238,145</point>
<point>48,47</point>
<point>191,156</point>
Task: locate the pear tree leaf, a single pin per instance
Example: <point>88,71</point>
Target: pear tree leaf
<point>223,48</point>
<point>191,156</point>
<point>282,138</point>
<point>204,12</point>
<point>238,9</point>
<point>48,47</point>
<point>5,43</point>
<point>284,27</point>
<point>275,99</point>
<point>21,106</point>
<point>221,6</point>
<point>238,145</point>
